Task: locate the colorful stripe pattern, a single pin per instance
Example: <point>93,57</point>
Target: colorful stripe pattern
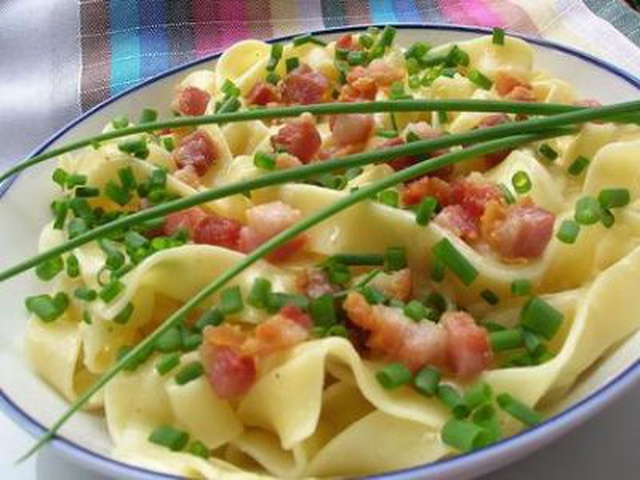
<point>125,42</point>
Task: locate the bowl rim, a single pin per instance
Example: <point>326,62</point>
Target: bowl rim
<point>559,423</point>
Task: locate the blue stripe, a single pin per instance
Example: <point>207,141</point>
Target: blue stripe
<point>154,41</point>
<point>382,11</point>
<point>125,45</point>
<point>406,11</point>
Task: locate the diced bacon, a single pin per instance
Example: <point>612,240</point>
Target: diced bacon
<point>295,313</point>
<point>521,232</point>
<point>276,333</point>
<point>346,42</point>
<point>225,335</point>
<point>263,93</point>
<point>314,283</point>
<point>265,221</point>
<point>359,87</point>
<point>298,137</point>
<point>505,83</point>
<point>195,150</point>
<point>304,86</point>
<point>468,344</point>
<point>398,163</point>
<point>474,196</point>
<point>414,192</point>
<point>397,338</point>
<point>230,373</point>
<point>495,158</point>
<point>397,285</point>
<point>351,128</point>
<point>383,73</point>
<point>188,175</point>
<point>286,160</point>
<point>521,94</point>
<point>191,101</point>
<point>459,222</point>
<point>220,231</point>
<point>184,219</point>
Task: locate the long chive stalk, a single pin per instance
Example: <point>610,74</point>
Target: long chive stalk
<point>412,148</point>
<point>529,108</point>
<point>353,198</point>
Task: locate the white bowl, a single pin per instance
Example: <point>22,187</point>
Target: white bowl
<point>24,210</point>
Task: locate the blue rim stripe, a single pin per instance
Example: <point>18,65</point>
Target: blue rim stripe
<point>615,387</point>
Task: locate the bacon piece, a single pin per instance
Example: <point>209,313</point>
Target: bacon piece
<point>299,137</point>
<point>383,73</point>
<point>195,150</point>
<point>278,332</point>
<point>518,231</point>
<point>229,372</point>
<point>295,314</point>
<point>505,83</point>
<point>397,338</point>
<point>459,222</point>
<point>346,42</point>
<point>190,101</point>
<point>468,344</point>
<point>397,285</point>
<point>415,191</point>
<point>359,86</point>
<point>351,128</point>
<point>314,283</point>
<point>398,163</point>
<point>220,231</point>
<point>474,196</point>
<point>184,219</point>
<point>495,158</point>
<point>266,220</point>
<point>263,93</point>
<point>521,94</point>
<point>304,86</point>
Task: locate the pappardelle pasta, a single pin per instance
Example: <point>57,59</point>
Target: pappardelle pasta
<point>442,315</point>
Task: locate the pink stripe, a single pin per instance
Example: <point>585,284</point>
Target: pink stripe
<point>205,28</point>
<point>234,15</point>
<point>470,12</point>
<point>219,24</point>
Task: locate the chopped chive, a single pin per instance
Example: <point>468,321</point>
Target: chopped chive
<point>393,376</point>
<point>259,293</point>
<point>120,122</point>
<point>338,273</point>
<point>395,258</point>
<point>264,161</point>
<point>489,297</point>
<point>518,410</point>
<point>86,317</point>
<point>231,104</point>
<point>365,41</point>
<point>497,36</point>
<point>127,178</point>
<point>413,67</point>
<point>276,55</point>
<point>521,287</point>
<point>478,78</point>
<point>426,381</point>
<point>614,197</point>
<point>115,258</point>
<point>134,241</point>
<point>457,57</point>
<point>414,82</point>
<point>464,435</point>
<point>85,293</point>
<point>588,211</point>
<point>277,300</point>
<point>124,315</point>
<point>77,226</point>
<point>540,317</point>
<point>170,341</point>
<point>73,266</point>
<point>389,197</point>
<point>111,290</point>
<point>169,144</point>
<point>273,78</point>
<point>415,310</point>
<point>356,58</point>
<point>60,210</point>
<point>446,253</point>
<point>49,269</point>
<point>148,115</point>
<point>167,363</point>
<point>396,91</point>
<point>521,182</point>
<point>386,133</point>
<point>548,152</point>
<point>191,371</point>
<point>477,394</point>
<point>229,88</point>
<point>342,53</point>
<point>436,301</point>
<point>417,50</point>
<point>46,307</point>
<point>607,218</point>
<point>231,300</point>
<point>322,310</point>
<point>388,35</point>
<point>452,399</point>
<point>506,194</point>
<point>59,176</point>
<point>136,146</point>
<point>76,180</point>
<point>443,117</point>
<point>485,416</point>
<point>169,437</point>
<point>533,344</point>
<point>308,38</point>
<point>502,340</point>
<point>578,165</point>
<point>116,193</point>
<point>87,192</point>
<point>492,326</point>
<point>212,317</point>
<point>568,231</point>
<point>436,272</point>
<point>371,259</point>
<point>373,295</point>
<point>199,449</point>
<point>292,63</point>
<point>425,210</point>
<point>191,340</point>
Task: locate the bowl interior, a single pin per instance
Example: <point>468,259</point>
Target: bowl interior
<point>24,210</point>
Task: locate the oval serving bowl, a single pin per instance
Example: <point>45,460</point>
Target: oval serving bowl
<point>24,210</point>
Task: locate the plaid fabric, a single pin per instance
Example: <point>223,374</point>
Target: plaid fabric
<point>124,42</point>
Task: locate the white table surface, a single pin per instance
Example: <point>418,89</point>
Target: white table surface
<point>606,447</point>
